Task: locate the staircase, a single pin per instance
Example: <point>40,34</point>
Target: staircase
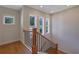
<point>38,43</point>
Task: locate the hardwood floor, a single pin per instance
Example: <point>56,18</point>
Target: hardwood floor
<point>61,52</point>
<point>53,51</point>
<point>16,48</point>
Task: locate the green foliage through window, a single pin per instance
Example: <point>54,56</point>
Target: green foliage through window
<point>47,25</point>
<point>41,25</point>
<point>8,20</point>
<point>32,20</point>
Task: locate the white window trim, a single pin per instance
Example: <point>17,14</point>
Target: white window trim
<point>43,25</point>
<point>9,23</point>
<point>48,26</point>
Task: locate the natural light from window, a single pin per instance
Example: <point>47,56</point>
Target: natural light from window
<point>47,25</point>
<point>41,25</point>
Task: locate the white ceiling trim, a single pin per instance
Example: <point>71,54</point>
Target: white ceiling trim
<point>50,9</point>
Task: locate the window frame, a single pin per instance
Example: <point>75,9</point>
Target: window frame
<point>35,21</point>
<point>9,23</point>
<point>47,19</point>
<point>42,24</point>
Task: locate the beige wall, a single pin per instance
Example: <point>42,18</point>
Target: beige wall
<point>65,30</point>
<point>25,22</point>
<point>9,33</point>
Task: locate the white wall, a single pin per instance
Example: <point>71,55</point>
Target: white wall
<point>65,30</point>
<point>9,33</point>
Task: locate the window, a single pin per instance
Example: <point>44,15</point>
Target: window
<point>47,25</point>
<point>9,20</point>
<point>41,25</point>
<point>32,21</point>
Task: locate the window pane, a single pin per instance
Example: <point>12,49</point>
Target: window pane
<point>42,25</point>
<point>47,25</point>
<point>8,20</point>
<point>32,20</point>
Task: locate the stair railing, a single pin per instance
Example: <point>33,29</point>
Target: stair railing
<point>39,43</point>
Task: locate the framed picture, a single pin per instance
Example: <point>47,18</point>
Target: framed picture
<point>9,20</point>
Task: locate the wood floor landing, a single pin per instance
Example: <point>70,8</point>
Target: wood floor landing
<point>16,48</point>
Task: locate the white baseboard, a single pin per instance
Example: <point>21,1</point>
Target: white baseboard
<point>67,52</point>
<point>42,53</point>
<point>7,42</point>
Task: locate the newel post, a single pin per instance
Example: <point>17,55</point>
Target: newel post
<point>56,48</point>
<point>34,47</point>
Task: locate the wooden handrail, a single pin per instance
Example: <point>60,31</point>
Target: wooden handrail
<point>56,45</point>
<point>27,30</point>
<point>34,40</point>
<point>45,38</point>
<point>39,34</point>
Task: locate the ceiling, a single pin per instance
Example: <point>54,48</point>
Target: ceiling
<point>45,8</point>
<point>16,7</point>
